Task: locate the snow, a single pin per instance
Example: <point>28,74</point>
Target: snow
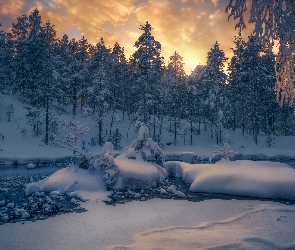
<point>89,184</point>
<point>17,146</point>
<point>160,224</point>
<point>245,178</point>
<point>154,224</point>
<point>81,183</point>
<point>108,148</point>
<point>31,165</point>
<point>137,174</point>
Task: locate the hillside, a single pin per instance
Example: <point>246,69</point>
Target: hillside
<point>17,142</point>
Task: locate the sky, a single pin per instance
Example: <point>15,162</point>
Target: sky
<point>190,27</point>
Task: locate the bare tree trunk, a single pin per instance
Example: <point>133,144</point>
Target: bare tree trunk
<point>74,99</point>
<point>47,121</point>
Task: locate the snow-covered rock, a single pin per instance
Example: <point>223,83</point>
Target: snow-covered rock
<point>81,183</point>
<point>10,205</point>
<point>25,215</point>
<point>137,174</point>
<point>31,165</point>
<point>246,178</point>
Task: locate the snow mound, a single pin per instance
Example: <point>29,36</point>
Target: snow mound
<point>246,178</point>
<point>81,183</point>
<point>89,184</point>
<point>31,165</point>
<point>137,174</point>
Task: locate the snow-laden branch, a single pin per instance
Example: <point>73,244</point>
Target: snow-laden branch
<point>71,137</point>
<point>274,20</point>
<point>135,150</point>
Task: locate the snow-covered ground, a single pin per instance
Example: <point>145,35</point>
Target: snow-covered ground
<point>157,223</point>
<point>245,178</point>
<point>17,142</point>
<point>160,224</point>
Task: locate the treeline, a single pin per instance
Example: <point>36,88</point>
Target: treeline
<point>51,73</point>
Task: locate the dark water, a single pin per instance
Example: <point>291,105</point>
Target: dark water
<point>8,170</point>
<point>14,203</point>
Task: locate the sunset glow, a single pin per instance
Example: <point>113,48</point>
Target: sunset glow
<point>189,27</point>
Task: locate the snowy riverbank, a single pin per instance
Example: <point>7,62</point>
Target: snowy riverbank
<point>19,145</point>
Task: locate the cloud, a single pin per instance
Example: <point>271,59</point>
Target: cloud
<point>8,7</point>
<point>189,27</point>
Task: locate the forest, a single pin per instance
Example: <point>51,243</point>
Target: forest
<point>66,75</point>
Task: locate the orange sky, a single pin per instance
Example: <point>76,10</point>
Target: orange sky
<point>189,27</point>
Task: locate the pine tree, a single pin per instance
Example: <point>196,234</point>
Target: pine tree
<point>148,63</point>
<point>274,20</point>
<point>35,63</point>
<point>117,77</point>
<point>79,55</point>
<point>213,81</point>
<point>116,138</point>
<point>6,59</point>
<point>176,75</point>
<point>235,110</point>
<point>99,89</point>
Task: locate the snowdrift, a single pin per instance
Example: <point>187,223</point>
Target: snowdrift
<point>137,174</point>
<point>77,182</point>
<point>245,178</point>
<point>89,184</point>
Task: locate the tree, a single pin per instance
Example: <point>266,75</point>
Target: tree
<point>70,138</point>
<point>148,63</point>
<point>176,77</point>
<point>35,63</point>
<point>78,71</point>
<point>99,88</point>
<point>6,59</point>
<point>274,20</point>
<point>103,162</point>
<point>136,149</point>
<point>117,76</point>
<point>213,81</point>
<point>116,139</point>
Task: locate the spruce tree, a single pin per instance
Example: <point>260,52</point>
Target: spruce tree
<point>213,81</point>
<point>148,63</point>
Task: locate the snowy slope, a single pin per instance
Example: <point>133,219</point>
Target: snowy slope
<point>22,146</point>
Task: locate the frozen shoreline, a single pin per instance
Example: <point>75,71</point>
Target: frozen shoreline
<point>188,157</point>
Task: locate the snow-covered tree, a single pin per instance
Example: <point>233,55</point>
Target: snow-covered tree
<point>116,138</point>
<point>69,137</point>
<point>6,59</point>
<point>35,63</point>
<point>117,76</point>
<point>99,88</point>
<point>236,89</point>
<point>223,151</point>
<point>148,63</point>
<point>136,149</point>
<point>103,162</point>
<point>175,67</point>
<point>79,55</point>
<point>176,94</point>
<point>9,112</point>
<point>274,20</point>
<point>212,80</point>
